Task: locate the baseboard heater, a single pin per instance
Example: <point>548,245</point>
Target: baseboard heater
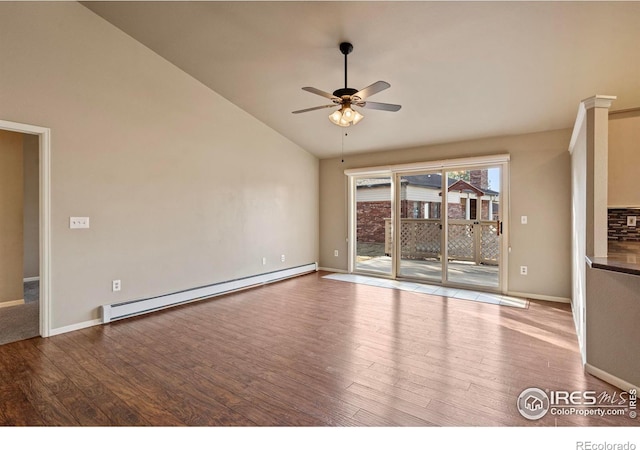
<point>123,310</point>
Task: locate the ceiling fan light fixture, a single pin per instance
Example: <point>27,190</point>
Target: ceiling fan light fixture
<point>336,117</point>
<point>345,116</point>
<point>357,117</point>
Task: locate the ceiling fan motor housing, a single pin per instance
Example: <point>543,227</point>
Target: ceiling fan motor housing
<point>344,91</point>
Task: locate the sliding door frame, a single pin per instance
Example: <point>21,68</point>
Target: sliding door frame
<point>441,166</point>
<point>352,237</point>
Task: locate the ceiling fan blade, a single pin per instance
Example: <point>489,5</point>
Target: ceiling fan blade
<point>380,106</point>
<point>372,89</point>
<point>312,109</point>
<point>319,92</point>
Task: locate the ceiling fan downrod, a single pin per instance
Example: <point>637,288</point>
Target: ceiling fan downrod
<point>345,49</point>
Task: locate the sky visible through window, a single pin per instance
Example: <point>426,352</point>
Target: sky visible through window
<point>494,179</point>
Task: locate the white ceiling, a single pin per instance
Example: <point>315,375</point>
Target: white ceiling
<point>460,70</point>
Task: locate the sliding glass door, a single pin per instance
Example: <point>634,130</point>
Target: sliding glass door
<point>473,227</point>
<point>442,225</point>
<point>420,228</point>
<point>373,224</point>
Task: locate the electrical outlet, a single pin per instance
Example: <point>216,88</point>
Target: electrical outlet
<point>78,222</point>
<point>335,253</point>
<point>282,258</point>
<point>631,221</point>
<point>523,270</point>
<point>116,285</point>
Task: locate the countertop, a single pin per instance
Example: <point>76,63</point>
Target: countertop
<point>623,257</point>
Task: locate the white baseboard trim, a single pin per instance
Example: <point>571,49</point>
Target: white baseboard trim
<point>132,308</point>
<point>611,379</point>
<point>548,298</point>
<point>330,269</point>
<point>26,280</point>
<point>74,327</point>
<point>12,303</point>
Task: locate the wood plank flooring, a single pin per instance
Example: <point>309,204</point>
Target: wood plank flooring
<point>302,352</point>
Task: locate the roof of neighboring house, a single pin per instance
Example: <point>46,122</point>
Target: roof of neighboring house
<point>465,186</point>
<point>373,182</point>
<point>433,181</point>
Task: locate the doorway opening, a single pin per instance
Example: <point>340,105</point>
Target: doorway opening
<point>25,265</point>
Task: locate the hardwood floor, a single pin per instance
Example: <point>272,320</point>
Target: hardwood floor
<point>302,352</point>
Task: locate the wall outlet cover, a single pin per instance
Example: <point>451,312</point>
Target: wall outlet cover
<point>631,221</point>
<point>78,222</point>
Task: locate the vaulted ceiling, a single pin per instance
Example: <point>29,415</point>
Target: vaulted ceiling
<point>460,70</point>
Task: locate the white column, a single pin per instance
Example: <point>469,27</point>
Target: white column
<point>597,116</point>
<point>490,208</point>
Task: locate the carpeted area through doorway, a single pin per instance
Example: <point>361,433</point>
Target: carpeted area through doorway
<point>22,321</point>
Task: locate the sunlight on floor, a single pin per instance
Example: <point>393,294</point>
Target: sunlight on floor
<point>461,294</point>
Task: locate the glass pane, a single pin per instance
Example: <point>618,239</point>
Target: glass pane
<point>473,238</point>
<point>420,226</point>
<point>373,225</point>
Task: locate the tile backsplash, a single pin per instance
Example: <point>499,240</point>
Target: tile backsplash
<point>618,230</point>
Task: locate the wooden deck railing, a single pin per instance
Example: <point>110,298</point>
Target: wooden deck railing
<point>469,240</point>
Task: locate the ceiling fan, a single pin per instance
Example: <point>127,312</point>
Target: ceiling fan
<point>346,98</point>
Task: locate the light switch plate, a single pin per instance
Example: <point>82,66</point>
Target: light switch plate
<point>523,220</point>
<point>78,222</point>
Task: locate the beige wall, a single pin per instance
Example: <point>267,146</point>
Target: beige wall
<point>11,230</point>
<point>540,188</point>
<point>183,188</point>
<point>31,206</point>
<point>624,159</point>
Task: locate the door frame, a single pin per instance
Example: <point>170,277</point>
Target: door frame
<point>501,160</point>
<point>44,135</point>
